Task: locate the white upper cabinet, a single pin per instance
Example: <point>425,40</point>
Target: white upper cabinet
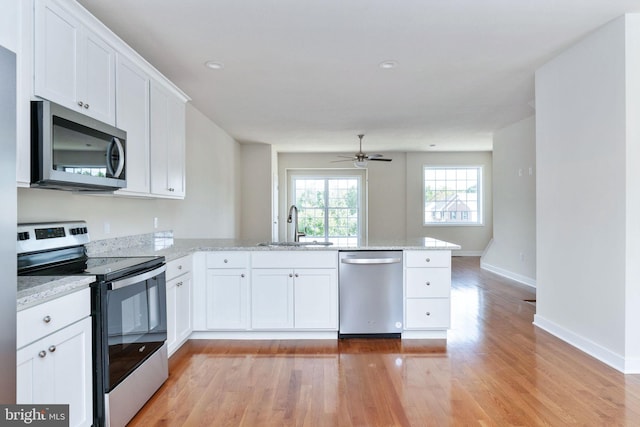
<point>72,66</point>
<point>167,143</point>
<point>132,85</point>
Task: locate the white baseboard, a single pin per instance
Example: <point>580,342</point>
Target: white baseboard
<point>603,354</point>
<point>466,253</point>
<point>508,274</point>
<point>264,335</point>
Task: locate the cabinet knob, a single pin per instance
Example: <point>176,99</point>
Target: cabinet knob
<point>179,284</point>
<point>242,275</point>
<point>226,261</point>
<point>296,275</point>
<point>428,313</point>
<point>52,348</point>
<point>290,275</point>
<point>46,319</point>
<point>171,189</point>
<point>428,283</point>
<point>42,353</point>
<point>180,267</point>
<point>86,106</point>
<point>428,260</point>
<point>80,103</point>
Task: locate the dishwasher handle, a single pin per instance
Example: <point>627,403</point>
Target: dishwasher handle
<point>370,261</point>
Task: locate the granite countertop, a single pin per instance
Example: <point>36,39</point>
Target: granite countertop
<point>33,290</point>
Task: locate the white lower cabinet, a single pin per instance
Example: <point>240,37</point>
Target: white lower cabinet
<point>301,297</point>
<point>179,288</point>
<point>227,299</point>
<point>55,366</point>
<point>226,293</point>
<point>427,290</point>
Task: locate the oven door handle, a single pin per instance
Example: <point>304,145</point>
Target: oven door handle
<point>119,284</point>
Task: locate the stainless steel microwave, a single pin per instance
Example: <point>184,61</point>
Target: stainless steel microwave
<point>71,151</point>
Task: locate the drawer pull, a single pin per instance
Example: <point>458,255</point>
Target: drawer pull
<point>180,267</point>
<point>296,275</point>
<point>428,283</point>
<point>178,284</point>
<point>226,261</point>
<point>52,348</point>
<point>46,319</point>
<point>42,353</point>
<point>80,103</point>
<point>428,313</point>
<point>290,274</point>
<point>242,275</point>
<point>428,260</point>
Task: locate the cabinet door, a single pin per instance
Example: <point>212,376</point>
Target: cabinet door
<point>227,298</point>
<point>183,308</point>
<point>57,370</point>
<point>178,311</point>
<point>57,35</point>
<point>167,143</point>
<point>271,298</point>
<point>316,299</point>
<point>96,78</point>
<point>133,117</point>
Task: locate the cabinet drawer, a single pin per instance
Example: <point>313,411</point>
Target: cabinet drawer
<point>228,259</point>
<point>428,282</point>
<point>178,267</point>
<point>36,322</point>
<point>428,313</point>
<point>427,258</point>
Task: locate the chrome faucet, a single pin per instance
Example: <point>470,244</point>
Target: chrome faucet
<point>296,233</point>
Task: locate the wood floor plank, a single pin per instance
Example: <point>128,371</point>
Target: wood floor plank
<point>495,369</point>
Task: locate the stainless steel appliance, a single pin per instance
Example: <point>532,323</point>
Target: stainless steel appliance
<point>71,151</point>
<point>8,215</point>
<point>370,293</point>
<point>128,309</point>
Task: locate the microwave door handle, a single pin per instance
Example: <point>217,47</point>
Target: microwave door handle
<point>115,142</point>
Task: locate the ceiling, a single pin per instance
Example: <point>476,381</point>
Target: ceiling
<point>304,75</point>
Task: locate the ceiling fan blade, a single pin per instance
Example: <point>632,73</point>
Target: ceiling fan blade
<point>378,159</point>
<point>350,159</point>
<point>347,157</point>
<point>373,156</point>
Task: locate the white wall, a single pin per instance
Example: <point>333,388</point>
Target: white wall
<point>256,187</point>
<point>210,209</point>
<point>512,251</point>
<point>472,239</point>
<point>587,201</point>
<point>9,20</point>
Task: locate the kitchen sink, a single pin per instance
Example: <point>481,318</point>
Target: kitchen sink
<point>296,244</point>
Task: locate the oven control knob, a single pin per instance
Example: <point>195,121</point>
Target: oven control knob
<point>84,230</point>
<point>74,231</point>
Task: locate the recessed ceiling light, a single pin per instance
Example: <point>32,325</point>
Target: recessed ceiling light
<point>214,65</point>
<point>387,65</point>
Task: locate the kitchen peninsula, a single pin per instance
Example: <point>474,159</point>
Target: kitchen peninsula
<point>220,297</point>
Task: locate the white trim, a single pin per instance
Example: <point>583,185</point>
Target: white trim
<point>264,335</point>
<point>425,335</point>
<point>508,274</point>
<point>466,253</point>
<point>593,349</point>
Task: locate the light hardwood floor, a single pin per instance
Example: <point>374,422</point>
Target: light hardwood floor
<point>496,368</point>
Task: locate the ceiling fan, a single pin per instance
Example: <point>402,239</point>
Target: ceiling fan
<point>360,159</point>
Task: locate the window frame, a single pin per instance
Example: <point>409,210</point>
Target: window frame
<point>324,174</point>
<point>480,197</point>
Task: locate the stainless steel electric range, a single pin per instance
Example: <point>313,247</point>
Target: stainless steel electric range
<point>128,311</point>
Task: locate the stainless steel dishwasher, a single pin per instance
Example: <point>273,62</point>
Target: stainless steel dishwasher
<point>370,293</point>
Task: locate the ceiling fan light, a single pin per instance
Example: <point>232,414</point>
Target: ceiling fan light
<point>360,163</point>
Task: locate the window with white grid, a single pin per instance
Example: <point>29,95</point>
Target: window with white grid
<point>328,208</point>
<point>452,195</point>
